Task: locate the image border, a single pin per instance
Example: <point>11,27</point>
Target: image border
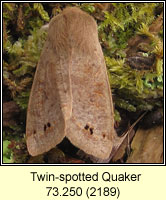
<point>102,164</point>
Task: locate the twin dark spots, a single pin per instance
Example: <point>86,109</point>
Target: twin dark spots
<point>46,126</point>
<point>88,128</point>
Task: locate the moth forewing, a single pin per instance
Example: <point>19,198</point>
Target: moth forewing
<point>50,99</point>
<point>91,126</point>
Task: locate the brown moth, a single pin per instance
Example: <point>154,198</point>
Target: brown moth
<point>70,94</point>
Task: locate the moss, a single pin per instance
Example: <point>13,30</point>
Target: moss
<point>7,153</point>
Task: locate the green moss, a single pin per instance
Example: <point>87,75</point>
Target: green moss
<point>42,12</point>
<point>7,153</point>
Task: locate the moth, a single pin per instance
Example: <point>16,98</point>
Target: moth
<point>70,95</point>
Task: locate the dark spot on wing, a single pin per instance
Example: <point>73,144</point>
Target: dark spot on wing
<point>91,131</point>
<point>48,124</point>
<point>45,127</point>
<point>86,127</point>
